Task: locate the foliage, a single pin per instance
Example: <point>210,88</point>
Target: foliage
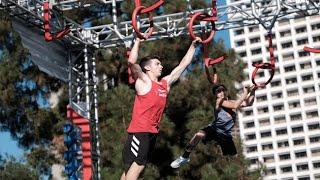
<point>41,159</point>
<point>11,169</point>
<point>21,82</point>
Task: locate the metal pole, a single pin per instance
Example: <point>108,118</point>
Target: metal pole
<point>86,77</point>
<point>95,102</point>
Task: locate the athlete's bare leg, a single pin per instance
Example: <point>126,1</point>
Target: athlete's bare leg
<point>133,172</point>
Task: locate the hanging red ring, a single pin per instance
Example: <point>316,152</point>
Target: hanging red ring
<point>204,17</point>
<point>270,65</point>
<point>137,11</point>
<point>150,8</point>
<point>210,62</point>
<point>313,50</point>
<point>262,66</point>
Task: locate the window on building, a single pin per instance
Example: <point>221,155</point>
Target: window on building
<point>255,40</point>
<point>294,104</point>
<point>286,45</point>
<point>275,83</point>
<point>295,117</point>
<point>281,132</point>
<point>242,54</point>
<point>270,171</point>
<point>290,68</point>
<point>302,41</point>
<point>314,139</point>
<point>285,156</point>
<point>249,124</point>
<point>240,43</point>
<point>312,114</point>
<point>279,119</point>
<point>268,146</point>
<point>316,165</point>
<point>283,144</point>
<point>316,38</point>
<point>285,33</point>
<point>276,95</point>
<point>264,122</point>
<point>286,169</point>
<point>298,142</point>
<point>304,178</point>
<point>297,129</point>
<point>239,31</point>
<point>292,92</point>
<point>265,134</point>
<point>314,126</point>
<point>302,167</point>
<point>261,98</point>
<point>303,54</point>
<point>291,80</point>
<point>278,107</point>
<point>248,112</point>
<point>254,29</point>
<point>309,89</point>
<point>268,159</point>
<point>315,152</point>
<point>288,57</point>
<point>306,65</point>
<point>301,30</point>
<point>307,77</point>
<point>250,136</point>
<point>301,154</point>
<point>315,26</point>
<point>256,51</point>
<point>310,102</point>
<point>262,110</point>
<point>253,161</point>
<point>252,149</point>
<point>318,62</point>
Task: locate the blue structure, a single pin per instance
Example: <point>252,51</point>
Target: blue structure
<point>73,157</point>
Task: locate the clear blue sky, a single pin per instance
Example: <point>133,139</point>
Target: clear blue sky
<point>9,146</point>
<point>224,34</point>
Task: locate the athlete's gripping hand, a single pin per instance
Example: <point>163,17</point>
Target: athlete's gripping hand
<point>196,41</point>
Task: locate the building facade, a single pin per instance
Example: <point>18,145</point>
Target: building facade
<point>281,131</point>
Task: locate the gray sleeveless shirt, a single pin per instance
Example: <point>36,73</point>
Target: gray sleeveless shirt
<point>223,122</point>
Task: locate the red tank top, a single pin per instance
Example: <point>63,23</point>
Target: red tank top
<point>148,109</point>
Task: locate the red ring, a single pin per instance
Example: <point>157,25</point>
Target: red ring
<point>209,62</point>
<point>313,50</point>
<point>254,75</point>
<point>204,16</point>
<point>152,7</point>
<point>137,11</point>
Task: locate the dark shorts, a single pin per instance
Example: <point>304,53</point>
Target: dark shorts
<point>138,148</point>
<point>226,143</point>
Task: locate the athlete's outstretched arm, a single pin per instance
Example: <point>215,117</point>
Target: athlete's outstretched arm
<point>186,60</point>
<point>233,104</point>
<point>136,70</point>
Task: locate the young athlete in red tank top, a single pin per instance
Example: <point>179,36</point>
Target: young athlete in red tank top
<point>148,109</point>
<point>149,104</point>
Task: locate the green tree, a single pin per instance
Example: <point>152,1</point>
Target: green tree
<point>11,169</point>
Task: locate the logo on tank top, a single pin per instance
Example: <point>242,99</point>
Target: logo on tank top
<point>161,93</point>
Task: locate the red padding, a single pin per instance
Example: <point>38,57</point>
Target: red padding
<point>47,35</point>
